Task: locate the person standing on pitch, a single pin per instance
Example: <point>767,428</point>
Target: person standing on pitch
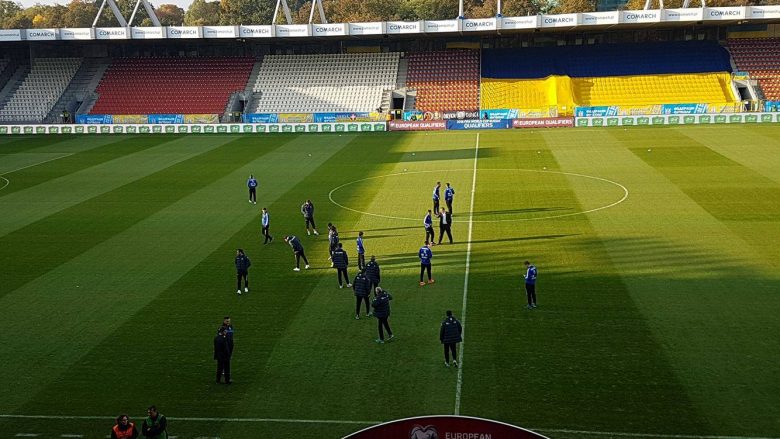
<point>445,225</point>
<point>373,272</point>
<point>341,262</point>
<point>156,425</point>
<point>361,252</point>
<point>228,325</point>
<point>252,185</point>
<point>381,305</point>
<point>449,193</point>
<point>266,222</point>
<point>436,198</point>
<point>362,287</point>
<point>425,255</point>
<point>297,248</point>
<point>450,335</point>
<point>222,355</point>
<point>530,284</point>
<point>333,241</point>
<point>307,210</point>
<point>242,270</point>
<point>428,224</point>
<point>124,429</point>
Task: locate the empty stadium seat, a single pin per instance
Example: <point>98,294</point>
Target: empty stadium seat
<point>349,82</point>
<point>40,89</point>
<point>445,80</point>
<point>171,85</point>
<point>761,58</point>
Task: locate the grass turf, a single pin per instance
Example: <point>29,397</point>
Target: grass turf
<point>657,315</point>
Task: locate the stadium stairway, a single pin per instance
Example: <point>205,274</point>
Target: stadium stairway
<point>40,89</point>
<point>760,57</point>
<point>80,88</point>
<point>445,80</point>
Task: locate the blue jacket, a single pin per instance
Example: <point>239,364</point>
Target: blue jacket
<point>448,193</point>
<point>425,255</point>
<point>360,249</point>
<point>295,243</point>
<point>266,219</point>
<point>530,275</point>
<point>251,182</point>
<point>436,192</point>
<point>428,221</point>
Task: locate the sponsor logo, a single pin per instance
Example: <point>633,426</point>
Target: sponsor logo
<point>551,122</point>
<point>28,130</point>
<point>40,130</point>
<point>689,119</point>
<point>170,129</point>
<point>118,129</point>
<point>555,20</point>
<point>247,128</point>
<point>582,122</point>
<point>313,128</point>
<point>327,128</point>
<point>208,129</point>
<point>704,119</point>
<point>105,130</point>
<point>183,31</point>
<point>751,118</point>
<point>196,129</point>
<point>287,128</point>
<point>627,121</point>
<point>659,121</point>
<point>67,130</point>
<point>720,119</point>
<point>300,128</point>
<point>380,127</point>
<point>273,128</point>
<point>183,128</point>
<point>735,119</point>
<point>117,33</point>
<point>674,120</point>
<point>248,32</point>
<point>235,128</point>
<point>340,127</point>
<point>766,118</point>
<point>328,29</point>
<point>40,34</point>
<point>410,26</point>
<point>366,28</point>
<point>641,16</point>
<point>427,432</point>
<point>17,130</point>
<point>130,129</point>
<point>222,129</point>
<point>725,13</point>
<point>261,128</point>
<point>643,121</point>
<point>612,121</point>
<point>480,24</point>
<point>79,129</point>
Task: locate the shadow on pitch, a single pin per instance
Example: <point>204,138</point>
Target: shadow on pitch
<point>517,211</point>
<point>428,156</point>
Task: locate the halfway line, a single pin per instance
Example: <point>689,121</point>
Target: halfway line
<point>459,385</point>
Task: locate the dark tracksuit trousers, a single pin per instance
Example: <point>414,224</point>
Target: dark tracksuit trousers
<point>267,234</point>
<point>382,323</point>
<point>430,235</point>
<point>358,300</point>
<point>242,275</point>
<point>530,292</point>
<point>450,347</point>
<point>342,272</point>
<point>298,256</point>
<point>423,269</point>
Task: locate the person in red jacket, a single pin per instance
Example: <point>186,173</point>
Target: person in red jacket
<point>124,429</point>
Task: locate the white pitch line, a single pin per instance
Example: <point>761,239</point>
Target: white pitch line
<point>459,385</point>
<point>65,154</point>
<point>71,435</point>
<point>199,419</point>
<point>27,435</point>
<point>643,435</point>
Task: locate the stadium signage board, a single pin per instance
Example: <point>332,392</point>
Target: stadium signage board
<point>292,30</point>
<point>460,115</point>
<point>600,18</point>
<point>417,125</point>
<point>329,30</point>
<point>648,16</point>
<point>220,32</point>
<point>544,122</point>
<point>377,28</point>
<point>729,13</point>
<point>40,34</point>
<point>147,33</point>
<point>441,26</point>
<point>495,124</point>
<point>403,27</point>
<point>179,32</point>
<point>11,35</point>
<point>83,33</point>
<point>444,427</point>
<point>256,31</point>
<point>111,33</point>
<point>764,12</point>
<point>479,24</point>
<point>561,20</point>
<point>529,22</point>
<point>684,14</point>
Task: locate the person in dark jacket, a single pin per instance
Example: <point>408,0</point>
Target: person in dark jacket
<point>381,305</point>
<point>228,325</point>
<point>450,335</point>
<point>445,225</point>
<point>124,429</point>
<point>430,235</point>
<point>362,288</point>
<point>307,210</point>
<point>341,262</point>
<point>373,272</point>
<point>333,241</point>
<point>156,425</point>
<point>251,183</point>
<point>297,248</point>
<point>242,270</point>
<point>222,355</point>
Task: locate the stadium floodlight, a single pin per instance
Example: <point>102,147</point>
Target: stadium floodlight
<point>322,12</point>
<point>286,10</point>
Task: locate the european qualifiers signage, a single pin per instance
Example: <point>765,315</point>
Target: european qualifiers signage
<point>562,20</point>
<point>648,16</point>
<point>41,34</point>
<point>444,427</point>
<point>111,33</point>
<point>181,32</point>
<point>220,31</point>
<point>479,24</point>
<point>256,31</point>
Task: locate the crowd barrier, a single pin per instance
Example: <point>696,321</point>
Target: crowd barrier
<point>235,128</point>
<point>735,118</point>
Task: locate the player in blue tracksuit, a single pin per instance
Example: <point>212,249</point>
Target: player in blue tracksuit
<point>530,284</point>
<point>428,224</point>
<point>436,198</point>
<point>252,185</point>
<point>448,194</point>
<point>361,252</point>
<point>266,221</point>
<point>425,255</point>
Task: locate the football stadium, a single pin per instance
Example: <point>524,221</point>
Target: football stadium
<point>183,197</point>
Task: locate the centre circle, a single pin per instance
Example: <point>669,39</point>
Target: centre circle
<point>502,195</point>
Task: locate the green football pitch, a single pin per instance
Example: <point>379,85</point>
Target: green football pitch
<point>658,291</point>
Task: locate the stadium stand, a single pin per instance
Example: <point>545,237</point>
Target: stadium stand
<point>171,85</point>
<point>620,74</point>
<point>348,82</point>
<point>445,80</point>
<point>40,89</point>
<point>760,57</point>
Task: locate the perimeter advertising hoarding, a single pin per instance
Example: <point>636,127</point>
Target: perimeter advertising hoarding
<point>296,117</point>
<point>720,14</point>
<point>292,30</point>
<point>479,24</point>
<point>440,26</point>
<point>182,32</point>
<point>256,31</point>
<point>377,28</point>
<point>648,16</point>
<point>684,14</point>
<point>82,33</point>
<point>408,125</point>
<point>11,35</point>
<point>261,118</point>
<point>329,30</point>
<point>528,22</point>
<point>445,427</point>
<point>147,33</point>
<point>403,27</point>
<point>561,20</point>
<point>130,118</point>
<point>111,33</point>
<point>763,12</point>
<point>220,31</point>
<point>40,34</point>
<point>460,115</point>
<point>454,124</point>
<point>544,122</point>
<point>600,18</point>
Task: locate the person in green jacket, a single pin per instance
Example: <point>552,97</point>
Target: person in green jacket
<point>155,426</point>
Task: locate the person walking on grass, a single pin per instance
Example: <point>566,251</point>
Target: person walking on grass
<point>307,210</point>
<point>333,241</point>
<point>361,252</point>
<point>242,271</point>
<point>436,197</point>
<point>252,185</point>
<point>445,225</point>
<point>373,272</point>
<point>450,334</point>
<point>341,262</point>
<point>449,194</point>
<point>156,425</point>
<point>222,355</point>
<point>430,235</point>
<point>297,248</point>
<point>362,287</point>
<point>266,222</point>
<point>124,429</point>
<point>530,284</point>
<point>381,305</point>
<point>425,255</point>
